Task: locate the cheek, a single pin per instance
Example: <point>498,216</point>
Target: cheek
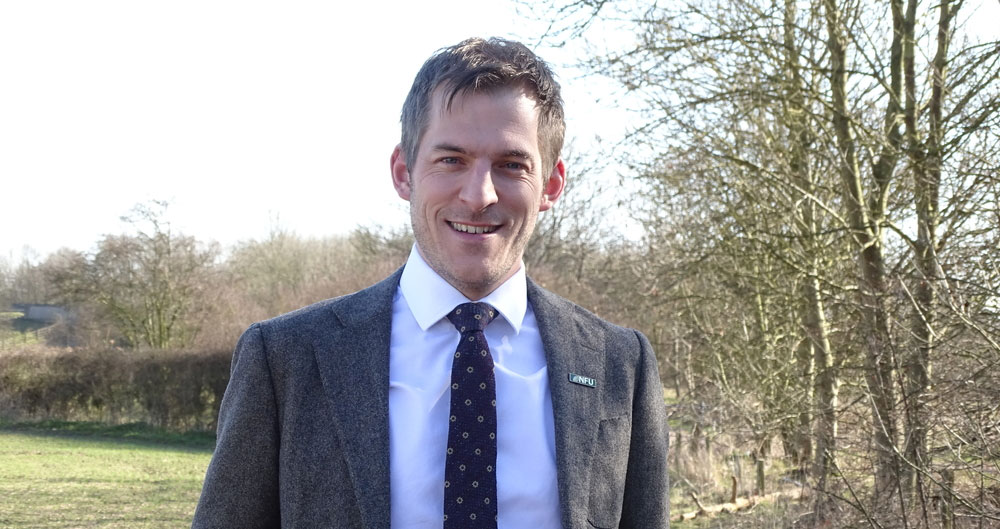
<point>519,194</point>
<point>435,193</point>
<point>423,198</point>
<point>529,201</point>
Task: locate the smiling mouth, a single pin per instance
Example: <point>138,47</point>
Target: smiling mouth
<point>466,228</point>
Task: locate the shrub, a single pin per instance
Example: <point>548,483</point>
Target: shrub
<point>175,389</point>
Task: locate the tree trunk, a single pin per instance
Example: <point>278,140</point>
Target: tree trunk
<point>925,159</point>
<point>947,499</point>
<point>827,390</point>
<point>815,352</point>
<point>678,449</point>
<point>865,218</point>
<point>800,140</point>
<point>759,482</point>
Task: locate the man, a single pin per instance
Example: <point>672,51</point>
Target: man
<point>405,405</point>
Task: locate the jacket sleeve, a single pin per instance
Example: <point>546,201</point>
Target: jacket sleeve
<point>647,499</point>
<point>241,485</point>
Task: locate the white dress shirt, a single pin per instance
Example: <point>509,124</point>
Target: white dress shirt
<point>422,345</point>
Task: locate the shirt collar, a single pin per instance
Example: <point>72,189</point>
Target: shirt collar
<point>431,298</point>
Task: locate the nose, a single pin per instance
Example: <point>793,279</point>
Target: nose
<point>478,191</point>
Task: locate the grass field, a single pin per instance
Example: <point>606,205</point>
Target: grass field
<point>15,331</point>
<point>81,475</point>
<point>60,475</point>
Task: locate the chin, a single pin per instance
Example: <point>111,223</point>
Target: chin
<point>475,281</point>
<point>484,282</point>
<point>474,271</point>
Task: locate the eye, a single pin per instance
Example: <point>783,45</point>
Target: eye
<point>513,166</point>
<point>450,160</point>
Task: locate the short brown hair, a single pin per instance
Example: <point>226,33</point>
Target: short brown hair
<point>476,65</point>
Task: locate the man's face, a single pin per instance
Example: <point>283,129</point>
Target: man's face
<point>476,186</point>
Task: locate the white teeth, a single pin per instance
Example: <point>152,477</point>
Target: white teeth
<point>473,229</point>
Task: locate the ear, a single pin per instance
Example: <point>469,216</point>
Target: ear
<point>553,186</point>
<point>400,173</point>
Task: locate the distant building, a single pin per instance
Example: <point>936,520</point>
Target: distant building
<point>42,313</point>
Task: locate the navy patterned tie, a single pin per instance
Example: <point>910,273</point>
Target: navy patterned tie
<point>470,482</point>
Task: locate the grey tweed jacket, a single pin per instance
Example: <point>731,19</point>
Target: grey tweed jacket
<point>303,436</point>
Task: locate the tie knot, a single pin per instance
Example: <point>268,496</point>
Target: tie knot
<point>469,317</point>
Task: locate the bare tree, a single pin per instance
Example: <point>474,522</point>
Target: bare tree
<point>826,167</point>
<point>146,284</point>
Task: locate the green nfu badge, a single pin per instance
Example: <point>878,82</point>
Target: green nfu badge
<point>582,380</point>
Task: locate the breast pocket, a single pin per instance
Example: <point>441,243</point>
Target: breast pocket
<point>607,478</point>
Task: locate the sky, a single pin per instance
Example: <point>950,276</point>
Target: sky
<point>243,115</point>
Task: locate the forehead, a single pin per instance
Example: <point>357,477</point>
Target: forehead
<point>505,113</point>
<point>445,95</point>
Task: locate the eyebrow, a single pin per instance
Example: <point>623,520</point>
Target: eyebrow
<point>447,147</point>
<point>512,153</point>
<point>515,153</point>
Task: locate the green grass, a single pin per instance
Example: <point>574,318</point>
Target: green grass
<point>15,330</point>
<point>71,475</point>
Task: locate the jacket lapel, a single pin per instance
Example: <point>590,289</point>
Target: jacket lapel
<point>353,360</point>
<point>569,350</point>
